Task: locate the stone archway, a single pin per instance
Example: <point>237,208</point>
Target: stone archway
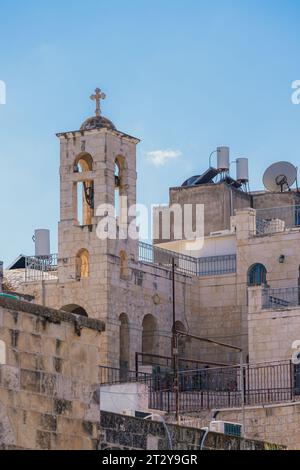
<point>149,338</point>
<point>76,309</point>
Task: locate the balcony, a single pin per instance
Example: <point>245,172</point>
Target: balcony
<point>281,298</point>
<point>201,267</point>
<point>45,268</point>
<point>214,387</point>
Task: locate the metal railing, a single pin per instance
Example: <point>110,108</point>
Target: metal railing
<point>45,267</point>
<point>111,376</point>
<point>277,219</point>
<point>220,387</point>
<point>161,257</point>
<point>165,363</point>
<point>217,265</point>
<point>281,298</point>
<point>210,388</point>
<point>207,266</point>
<point>41,268</point>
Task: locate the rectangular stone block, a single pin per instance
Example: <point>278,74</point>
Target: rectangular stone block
<point>31,380</point>
<point>10,377</point>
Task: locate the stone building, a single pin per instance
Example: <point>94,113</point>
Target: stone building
<point>250,238</point>
<point>240,287</point>
<point>49,398</point>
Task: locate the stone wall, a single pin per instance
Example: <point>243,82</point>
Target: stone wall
<point>210,306</point>
<point>219,200</point>
<point>272,423</point>
<point>271,332</point>
<point>48,378</point>
<point>126,433</point>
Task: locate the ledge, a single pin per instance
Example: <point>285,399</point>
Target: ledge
<point>51,315</point>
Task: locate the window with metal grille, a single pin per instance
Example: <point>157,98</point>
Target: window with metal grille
<point>257,275</point>
<point>138,278</point>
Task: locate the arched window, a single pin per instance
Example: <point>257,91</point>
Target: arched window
<point>257,275</point>
<point>83,190</point>
<point>76,309</point>
<point>124,345</point>
<point>120,187</point>
<point>83,163</point>
<point>84,202</point>
<point>124,273</point>
<point>82,264</point>
<point>149,339</point>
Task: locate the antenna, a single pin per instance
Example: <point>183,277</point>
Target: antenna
<point>280,176</point>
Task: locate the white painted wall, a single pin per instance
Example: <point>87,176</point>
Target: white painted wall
<point>216,245</point>
<point>124,397</point>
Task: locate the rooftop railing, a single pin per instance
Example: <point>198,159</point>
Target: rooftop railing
<point>115,376</point>
<point>215,388</point>
<point>216,265</point>
<point>41,268</point>
<point>45,267</point>
<point>277,219</point>
<point>281,298</point>
<point>206,266</point>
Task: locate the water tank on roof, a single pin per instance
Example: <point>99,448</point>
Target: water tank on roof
<point>242,170</point>
<point>223,158</point>
<point>42,242</point>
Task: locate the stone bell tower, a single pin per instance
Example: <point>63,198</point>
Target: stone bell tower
<point>97,168</point>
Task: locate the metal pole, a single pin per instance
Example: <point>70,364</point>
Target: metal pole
<point>173,294</point>
<point>242,387</point>
<point>242,384</point>
<point>211,341</point>
<point>137,365</point>
<point>175,344</point>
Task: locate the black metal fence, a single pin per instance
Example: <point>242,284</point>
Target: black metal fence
<point>41,268</point>
<point>210,388</point>
<point>281,298</point>
<point>225,388</point>
<point>111,376</point>
<point>163,364</point>
<point>207,266</point>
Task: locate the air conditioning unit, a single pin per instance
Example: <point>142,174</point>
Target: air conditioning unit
<point>224,427</point>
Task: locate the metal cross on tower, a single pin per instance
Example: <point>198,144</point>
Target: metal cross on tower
<point>98,96</point>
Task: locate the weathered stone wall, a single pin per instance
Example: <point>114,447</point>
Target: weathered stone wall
<point>219,200</point>
<point>272,423</point>
<point>218,312</point>
<point>48,380</point>
<point>264,200</point>
<point>271,332</point>
<point>125,433</point>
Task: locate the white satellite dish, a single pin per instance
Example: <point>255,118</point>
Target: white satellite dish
<point>280,176</point>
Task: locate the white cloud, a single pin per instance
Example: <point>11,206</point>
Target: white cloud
<point>161,157</point>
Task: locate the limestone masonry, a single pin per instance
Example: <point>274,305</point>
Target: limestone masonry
<point>105,306</point>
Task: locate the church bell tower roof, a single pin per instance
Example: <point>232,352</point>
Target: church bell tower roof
<point>97,121</point>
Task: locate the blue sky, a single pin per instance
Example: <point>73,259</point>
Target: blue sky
<point>184,76</point>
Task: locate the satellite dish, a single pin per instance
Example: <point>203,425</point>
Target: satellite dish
<point>280,177</point>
